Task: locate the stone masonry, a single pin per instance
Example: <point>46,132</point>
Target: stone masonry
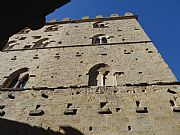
<point>99,76</point>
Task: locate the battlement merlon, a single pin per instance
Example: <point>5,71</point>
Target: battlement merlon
<point>127,15</point>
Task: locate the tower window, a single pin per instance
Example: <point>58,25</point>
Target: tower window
<point>99,25</point>
<point>100,75</point>
<point>17,79</point>
<point>104,40</point>
<point>99,39</point>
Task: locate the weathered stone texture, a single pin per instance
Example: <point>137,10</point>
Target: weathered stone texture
<point>121,101</point>
<point>122,86</point>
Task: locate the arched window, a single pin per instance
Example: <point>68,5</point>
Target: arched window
<point>95,25</point>
<point>102,25</point>
<point>17,79</point>
<point>99,75</point>
<point>22,81</point>
<point>97,41</point>
<point>99,25</point>
<point>104,40</point>
<point>40,43</point>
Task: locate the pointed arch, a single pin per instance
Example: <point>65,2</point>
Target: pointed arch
<point>13,80</point>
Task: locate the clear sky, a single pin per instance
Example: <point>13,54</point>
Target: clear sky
<point>159,18</point>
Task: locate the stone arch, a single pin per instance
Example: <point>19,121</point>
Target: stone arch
<point>99,39</point>
<point>99,25</point>
<point>99,75</point>
<point>104,40</point>
<point>15,80</point>
<point>96,41</point>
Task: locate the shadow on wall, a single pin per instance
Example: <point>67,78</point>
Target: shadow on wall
<point>8,127</point>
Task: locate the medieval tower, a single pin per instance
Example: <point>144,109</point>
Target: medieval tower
<point>99,76</point>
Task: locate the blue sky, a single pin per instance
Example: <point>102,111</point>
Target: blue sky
<point>159,18</point>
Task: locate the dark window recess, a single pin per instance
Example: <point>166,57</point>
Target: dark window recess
<point>12,42</point>
<point>97,41</point>
<point>8,47</point>
<point>51,28</point>
<point>22,38</point>
<point>40,44</point>
<point>95,25</point>
<point>27,46</point>
<point>104,40</point>
<point>14,80</point>
<point>25,31</point>
<point>100,25</point>
<point>36,37</point>
<point>59,42</point>
<point>94,73</point>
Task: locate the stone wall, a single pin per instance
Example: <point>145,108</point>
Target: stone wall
<point>135,110</point>
<point>99,76</point>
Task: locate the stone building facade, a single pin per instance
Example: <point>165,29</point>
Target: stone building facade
<point>98,76</point>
